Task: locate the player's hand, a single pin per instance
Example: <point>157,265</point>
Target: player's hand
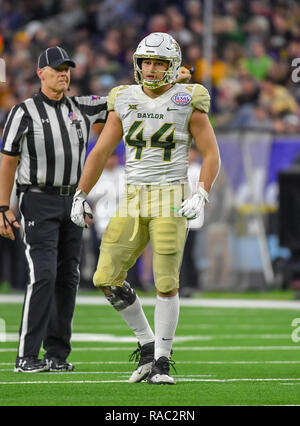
<point>193,207</point>
<point>184,75</point>
<point>8,221</point>
<point>80,209</point>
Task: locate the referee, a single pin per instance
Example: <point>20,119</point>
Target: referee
<point>44,145</point>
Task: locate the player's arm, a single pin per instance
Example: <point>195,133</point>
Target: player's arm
<point>8,169</point>
<point>11,151</point>
<point>98,127</point>
<point>107,142</point>
<point>206,143</point>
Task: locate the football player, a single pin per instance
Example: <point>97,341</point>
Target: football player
<point>158,119</point>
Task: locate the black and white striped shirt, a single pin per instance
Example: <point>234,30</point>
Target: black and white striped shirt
<point>51,137</point>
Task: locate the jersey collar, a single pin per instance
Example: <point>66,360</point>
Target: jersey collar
<point>51,102</point>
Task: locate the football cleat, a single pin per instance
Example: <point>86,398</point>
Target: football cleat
<point>159,374</point>
<point>58,365</point>
<point>30,364</point>
<point>145,355</point>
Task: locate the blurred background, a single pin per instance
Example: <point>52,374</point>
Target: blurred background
<point>244,52</point>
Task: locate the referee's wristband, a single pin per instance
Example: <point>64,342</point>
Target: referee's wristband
<point>4,209</point>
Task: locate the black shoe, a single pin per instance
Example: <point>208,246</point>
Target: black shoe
<point>30,364</point>
<point>58,365</point>
<point>145,355</point>
<point>159,374</point>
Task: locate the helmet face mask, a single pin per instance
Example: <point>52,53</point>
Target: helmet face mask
<point>159,46</point>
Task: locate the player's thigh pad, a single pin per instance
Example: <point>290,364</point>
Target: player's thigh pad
<point>168,238</point>
<point>118,251</point>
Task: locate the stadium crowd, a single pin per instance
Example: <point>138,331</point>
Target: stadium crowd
<point>254,44</point>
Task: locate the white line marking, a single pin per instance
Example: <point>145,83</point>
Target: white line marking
<point>249,336</point>
<point>63,382</point>
<point>206,303</point>
<point>238,362</point>
<point>290,384</point>
<point>110,338</point>
<point>183,348</point>
<point>125,381</point>
<point>238,380</point>
<point>200,348</point>
<point>195,375</point>
<point>121,373</point>
<point>177,362</point>
<point>86,327</point>
<point>237,348</point>
<point>184,362</point>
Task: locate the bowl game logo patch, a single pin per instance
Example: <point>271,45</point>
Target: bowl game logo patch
<point>181,99</point>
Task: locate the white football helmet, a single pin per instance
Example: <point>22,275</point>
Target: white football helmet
<point>158,46</point>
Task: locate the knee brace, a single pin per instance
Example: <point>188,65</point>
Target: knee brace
<point>121,297</point>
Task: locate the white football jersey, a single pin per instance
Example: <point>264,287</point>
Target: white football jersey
<point>156,131</point>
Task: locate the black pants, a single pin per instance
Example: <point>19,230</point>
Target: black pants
<point>12,262</point>
<point>52,248</point>
<point>189,273</point>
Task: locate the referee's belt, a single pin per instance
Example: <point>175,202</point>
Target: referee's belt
<point>63,190</point>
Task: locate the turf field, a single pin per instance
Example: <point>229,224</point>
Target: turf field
<point>224,356</point>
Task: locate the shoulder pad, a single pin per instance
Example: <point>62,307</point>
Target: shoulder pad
<point>113,94</point>
<point>200,98</point>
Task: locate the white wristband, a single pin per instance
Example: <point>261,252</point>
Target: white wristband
<point>80,194</point>
<point>201,191</point>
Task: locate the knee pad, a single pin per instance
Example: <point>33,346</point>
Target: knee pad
<point>165,237</point>
<point>121,297</point>
<point>165,284</point>
<point>168,238</point>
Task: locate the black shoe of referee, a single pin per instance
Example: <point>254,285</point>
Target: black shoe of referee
<point>30,364</point>
<point>57,364</point>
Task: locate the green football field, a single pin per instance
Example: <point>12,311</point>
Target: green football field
<point>224,356</point>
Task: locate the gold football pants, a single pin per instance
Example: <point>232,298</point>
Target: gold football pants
<point>147,213</point>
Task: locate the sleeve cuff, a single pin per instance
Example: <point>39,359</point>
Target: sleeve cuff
<point>12,154</point>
